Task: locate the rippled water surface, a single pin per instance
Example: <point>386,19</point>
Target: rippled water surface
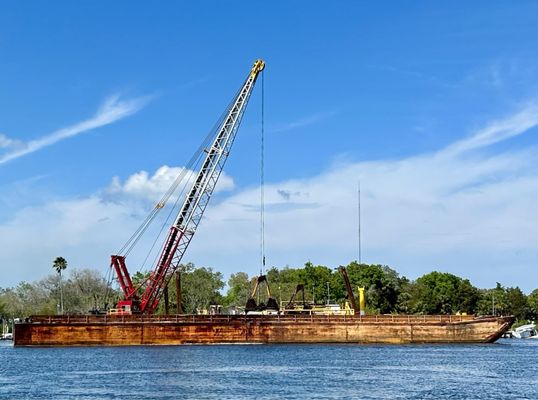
<point>507,369</point>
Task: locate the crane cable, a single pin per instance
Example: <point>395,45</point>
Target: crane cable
<point>262,184</point>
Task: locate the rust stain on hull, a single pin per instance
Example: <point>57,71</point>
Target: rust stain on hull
<point>194,329</point>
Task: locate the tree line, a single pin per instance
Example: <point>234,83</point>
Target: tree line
<point>87,290</point>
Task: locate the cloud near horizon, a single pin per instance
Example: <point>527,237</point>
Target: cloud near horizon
<point>458,210</point>
<point>113,109</point>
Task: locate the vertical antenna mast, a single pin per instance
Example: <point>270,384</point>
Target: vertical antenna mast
<point>359,218</point>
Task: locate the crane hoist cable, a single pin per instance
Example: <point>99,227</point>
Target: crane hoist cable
<point>262,182</point>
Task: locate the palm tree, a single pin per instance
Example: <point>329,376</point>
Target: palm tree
<point>59,265</point>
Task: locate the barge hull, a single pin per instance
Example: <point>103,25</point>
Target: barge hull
<point>195,329</point>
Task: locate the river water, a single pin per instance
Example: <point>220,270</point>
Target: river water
<point>507,369</point>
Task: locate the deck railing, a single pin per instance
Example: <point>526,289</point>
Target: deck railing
<point>201,319</point>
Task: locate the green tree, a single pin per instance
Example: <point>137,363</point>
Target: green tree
<point>493,301</point>
<point>60,264</point>
<point>2,307</point>
<point>86,290</point>
<point>444,293</point>
<point>381,283</point>
<point>139,278</point>
<point>533,304</point>
<point>27,299</point>
<point>284,281</point>
<point>201,288</point>
<point>517,304</point>
<point>406,296</point>
<point>238,290</point>
<point>468,297</point>
<point>316,277</point>
<point>83,290</point>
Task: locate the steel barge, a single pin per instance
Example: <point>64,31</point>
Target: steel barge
<point>132,330</point>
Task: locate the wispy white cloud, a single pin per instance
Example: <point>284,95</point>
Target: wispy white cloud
<point>113,109</point>
<point>6,142</point>
<point>497,131</point>
<point>302,122</point>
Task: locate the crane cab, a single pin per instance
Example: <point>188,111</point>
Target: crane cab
<point>125,307</point>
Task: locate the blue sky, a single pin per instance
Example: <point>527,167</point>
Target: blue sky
<point>433,106</point>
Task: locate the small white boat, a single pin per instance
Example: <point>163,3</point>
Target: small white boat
<point>525,331</point>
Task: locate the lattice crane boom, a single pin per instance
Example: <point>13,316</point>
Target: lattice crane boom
<point>192,210</point>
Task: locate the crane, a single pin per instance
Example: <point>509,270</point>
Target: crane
<point>191,211</point>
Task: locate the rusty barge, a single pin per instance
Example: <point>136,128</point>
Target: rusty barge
<point>131,330</point>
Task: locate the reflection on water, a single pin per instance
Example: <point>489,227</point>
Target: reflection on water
<point>506,369</point>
